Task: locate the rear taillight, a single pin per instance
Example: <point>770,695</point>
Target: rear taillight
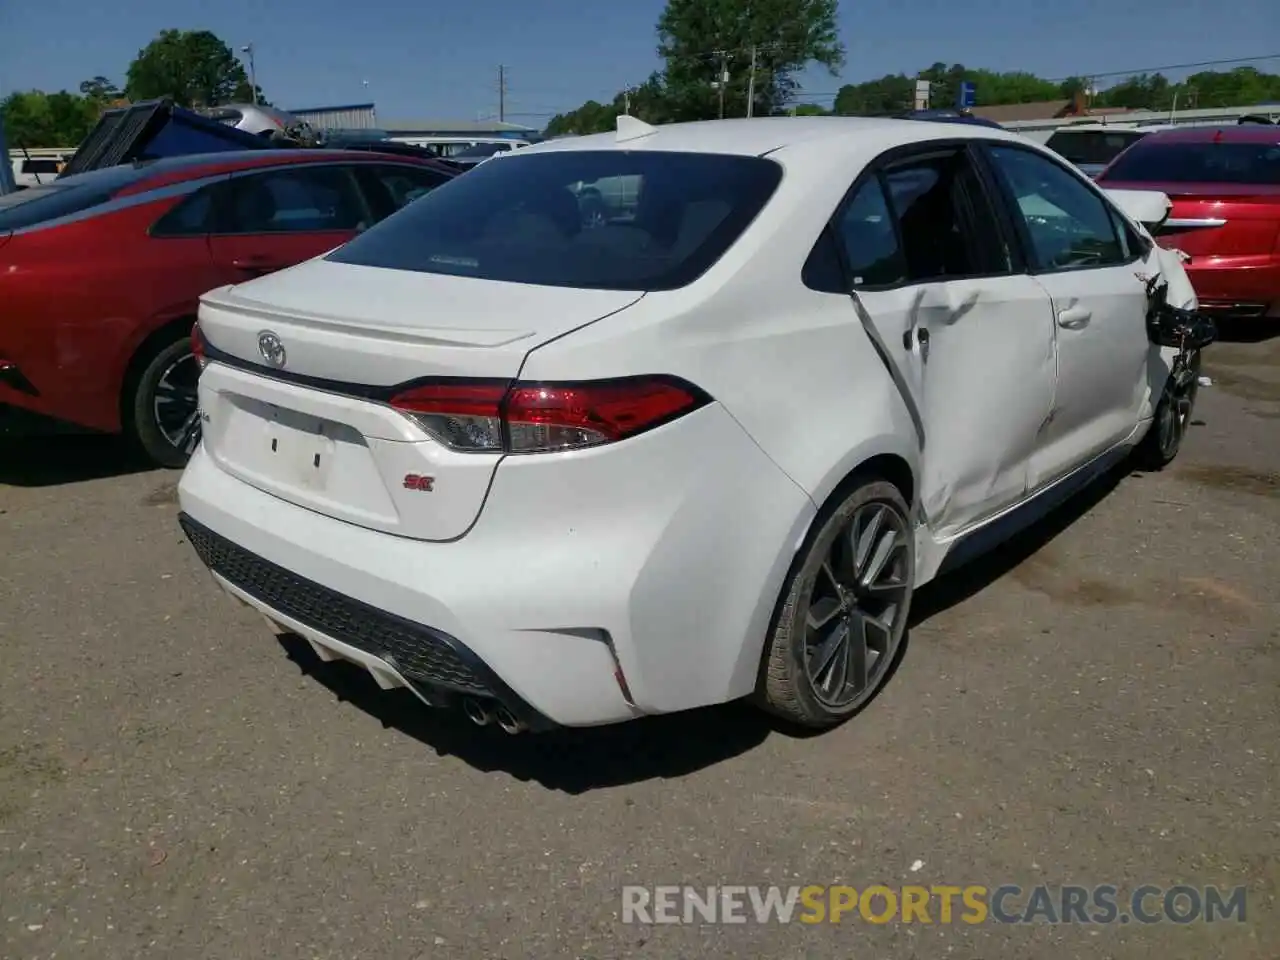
<point>487,416</point>
<point>197,345</point>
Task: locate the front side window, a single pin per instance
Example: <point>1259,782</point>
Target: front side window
<point>298,199</point>
<point>1068,226</point>
<point>606,219</point>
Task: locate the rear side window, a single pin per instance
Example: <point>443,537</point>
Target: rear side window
<point>192,216</point>
<point>1199,162</point>
<point>38,204</point>
<point>868,238</point>
<point>618,220</point>
<point>945,221</point>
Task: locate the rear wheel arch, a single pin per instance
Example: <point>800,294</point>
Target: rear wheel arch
<point>775,686</point>
<point>892,468</point>
<point>881,459</point>
<point>156,358</point>
<point>155,341</point>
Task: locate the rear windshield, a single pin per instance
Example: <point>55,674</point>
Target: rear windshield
<point>605,219</point>
<point>37,204</point>
<point>1199,162</point>
<point>1091,146</point>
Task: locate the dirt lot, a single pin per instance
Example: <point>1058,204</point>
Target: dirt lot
<point>1098,705</point>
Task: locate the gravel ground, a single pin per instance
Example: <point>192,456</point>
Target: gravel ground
<point>1098,705</point>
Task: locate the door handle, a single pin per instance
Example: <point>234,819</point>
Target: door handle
<point>255,264</point>
<point>1073,318</point>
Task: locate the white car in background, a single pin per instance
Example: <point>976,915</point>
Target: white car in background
<point>571,471</point>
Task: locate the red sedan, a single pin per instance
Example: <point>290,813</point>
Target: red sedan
<point>1225,187</point>
<point>100,273</point>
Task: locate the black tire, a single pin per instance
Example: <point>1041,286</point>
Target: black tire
<point>788,687</point>
<point>164,381</point>
<point>1171,421</point>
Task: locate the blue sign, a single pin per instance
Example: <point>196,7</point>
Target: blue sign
<point>968,96</point>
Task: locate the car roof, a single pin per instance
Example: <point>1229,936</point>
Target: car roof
<point>1242,133</point>
<point>763,135</point>
<point>148,173</point>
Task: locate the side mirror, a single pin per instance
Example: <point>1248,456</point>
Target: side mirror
<point>1147,207</point>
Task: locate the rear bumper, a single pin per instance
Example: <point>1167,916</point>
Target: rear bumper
<point>436,666</point>
<point>647,561</point>
<point>1244,287</point>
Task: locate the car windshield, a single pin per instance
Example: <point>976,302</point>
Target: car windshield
<point>607,219</point>
<point>1092,146</point>
<point>1199,162</point>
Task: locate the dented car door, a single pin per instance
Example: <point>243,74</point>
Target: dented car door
<point>1093,266</point>
<point>968,333</point>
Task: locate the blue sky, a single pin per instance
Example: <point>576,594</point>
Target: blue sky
<point>436,59</point>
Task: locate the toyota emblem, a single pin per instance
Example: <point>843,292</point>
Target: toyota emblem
<point>271,348</point>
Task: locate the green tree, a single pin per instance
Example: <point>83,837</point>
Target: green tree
<point>646,101</point>
<point>702,39</point>
<point>36,119</point>
<point>194,67</point>
<point>591,117</point>
<point>1140,92</point>
<point>100,90</point>
<point>890,94</point>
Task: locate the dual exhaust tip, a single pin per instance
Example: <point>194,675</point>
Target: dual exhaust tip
<point>482,713</point>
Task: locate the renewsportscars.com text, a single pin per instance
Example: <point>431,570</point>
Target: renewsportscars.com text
<point>939,904</point>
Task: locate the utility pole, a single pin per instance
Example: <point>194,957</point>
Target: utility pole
<point>502,93</point>
<point>751,85</point>
<point>253,73</point>
<point>723,79</point>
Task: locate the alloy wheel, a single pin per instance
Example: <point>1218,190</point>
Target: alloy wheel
<point>176,403</point>
<point>857,607</point>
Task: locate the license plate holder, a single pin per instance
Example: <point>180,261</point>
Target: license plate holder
<point>300,448</point>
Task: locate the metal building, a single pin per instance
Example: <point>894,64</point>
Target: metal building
<point>401,129</point>
<point>353,116</point>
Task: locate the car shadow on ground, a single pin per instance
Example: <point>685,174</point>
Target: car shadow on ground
<point>570,760</point>
<point>1236,330</point>
<point>579,760</point>
<point>46,461</point>
<point>952,589</point>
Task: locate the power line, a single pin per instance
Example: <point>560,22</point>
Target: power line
<point>1172,66</point>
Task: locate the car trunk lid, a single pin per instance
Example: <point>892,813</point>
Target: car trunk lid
<point>1218,219</point>
<point>295,400</point>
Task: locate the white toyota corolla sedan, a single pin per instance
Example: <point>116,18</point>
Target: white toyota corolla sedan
<point>636,422</point>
